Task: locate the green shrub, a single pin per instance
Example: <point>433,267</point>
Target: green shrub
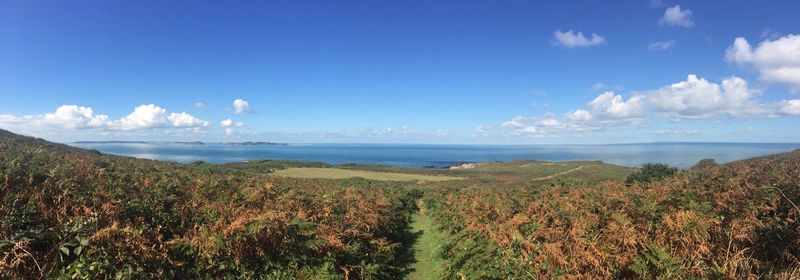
<point>651,172</point>
<point>655,263</point>
<point>704,163</point>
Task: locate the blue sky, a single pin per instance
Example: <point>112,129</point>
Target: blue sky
<point>402,71</point>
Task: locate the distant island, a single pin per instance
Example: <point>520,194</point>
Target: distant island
<point>191,143</point>
<point>118,142</point>
<point>182,143</point>
<point>254,143</point>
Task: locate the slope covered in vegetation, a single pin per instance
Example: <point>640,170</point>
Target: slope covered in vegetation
<point>738,220</point>
<point>80,214</point>
<point>73,213</point>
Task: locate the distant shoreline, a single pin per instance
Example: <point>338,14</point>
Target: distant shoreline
<point>683,155</point>
<point>249,143</point>
<point>432,144</point>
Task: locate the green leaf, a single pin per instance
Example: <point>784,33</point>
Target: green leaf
<point>78,250</point>
<point>64,250</point>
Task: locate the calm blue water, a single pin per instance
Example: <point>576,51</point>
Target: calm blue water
<point>677,154</point>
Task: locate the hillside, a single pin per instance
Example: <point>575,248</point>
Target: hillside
<point>73,213</point>
<point>734,221</point>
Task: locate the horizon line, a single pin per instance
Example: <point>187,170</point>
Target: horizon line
<point>401,143</point>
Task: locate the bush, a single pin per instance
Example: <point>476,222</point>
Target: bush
<point>704,163</point>
<point>655,263</point>
<point>651,172</point>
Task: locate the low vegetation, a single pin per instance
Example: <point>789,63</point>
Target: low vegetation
<point>651,172</point>
<point>80,214</point>
<point>735,221</point>
<point>338,173</point>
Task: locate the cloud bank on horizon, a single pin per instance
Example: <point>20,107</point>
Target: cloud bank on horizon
<point>683,107</point>
<point>776,61</point>
<point>695,98</point>
<point>144,117</point>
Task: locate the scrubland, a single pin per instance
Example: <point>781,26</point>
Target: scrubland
<point>80,214</point>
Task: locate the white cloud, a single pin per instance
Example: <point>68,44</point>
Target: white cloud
<point>677,132</point>
<point>694,98</point>
<point>698,98</point>
<point>674,16</point>
<point>229,126</point>
<point>570,39</point>
<point>144,116</point>
<point>789,107</point>
<point>612,105</point>
<point>200,105</point>
<point>74,116</point>
<point>230,123</point>
<point>67,117</point>
<point>242,107</point>
<point>579,116</point>
<point>777,61</point>
<point>152,116</point>
<point>576,122</point>
<point>661,46</point>
<point>514,123</point>
<point>482,131</point>
<point>532,126</point>
<point>183,119</point>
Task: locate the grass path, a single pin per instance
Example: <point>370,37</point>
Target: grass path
<point>425,247</point>
<point>340,173</point>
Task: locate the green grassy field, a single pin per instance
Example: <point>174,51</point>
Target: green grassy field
<point>338,173</point>
<point>590,171</point>
<point>535,171</point>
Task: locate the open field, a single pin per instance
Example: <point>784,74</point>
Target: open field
<point>541,172</point>
<point>532,169</point>
<point>544,172</point>
<point>515,171</point>
<point>338,173</point>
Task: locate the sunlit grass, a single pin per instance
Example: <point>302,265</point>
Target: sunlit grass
<point>338,173</point>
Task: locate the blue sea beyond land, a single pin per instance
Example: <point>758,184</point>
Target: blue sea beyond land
<point>437,156</point>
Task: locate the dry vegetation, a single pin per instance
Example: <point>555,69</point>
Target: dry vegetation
<point>734,221</point>
<point>72,213</point>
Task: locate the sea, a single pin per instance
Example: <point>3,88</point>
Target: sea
<point>682,155</point>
